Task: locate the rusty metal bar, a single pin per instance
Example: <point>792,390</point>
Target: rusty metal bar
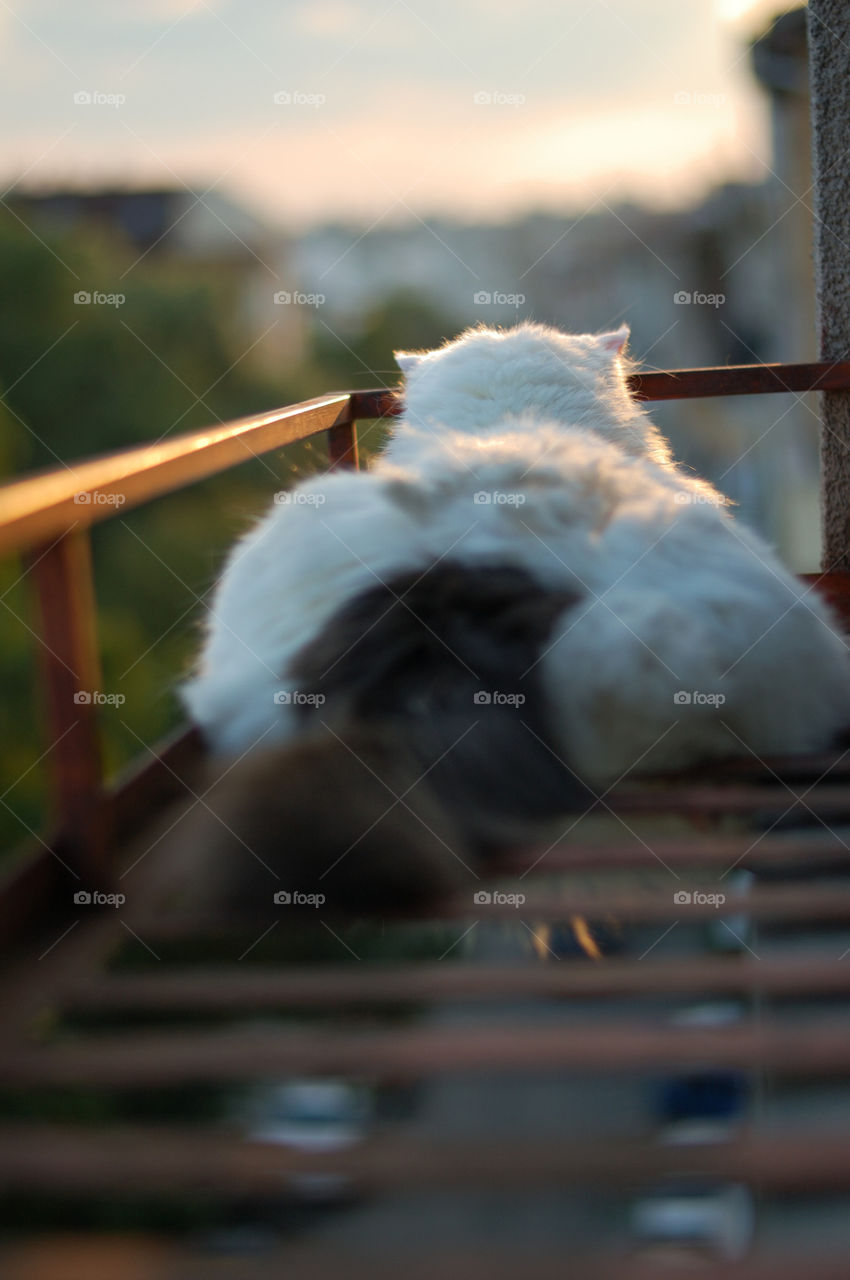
<point>740,380</point>
<point>342,447</point>
<point>42,507</point>
<point>634,903</point>
<point>816,767</point>
<point>39,884</point>
<point>656,903</point>
<point>820,850</point>
<point>834,586</point>
<point>166,1160</point>
<point>68,651</point>
<point>768,801</point>
<point>152,781</point>
<point>52,1257</point>
<point>377,402</point>
<point>814,1048</point>
<point>236,990</point>
<point>677,384</point>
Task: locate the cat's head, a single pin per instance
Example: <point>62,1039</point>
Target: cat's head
<point>531,372</point>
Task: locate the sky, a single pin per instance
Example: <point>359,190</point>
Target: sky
<point>357,110</point>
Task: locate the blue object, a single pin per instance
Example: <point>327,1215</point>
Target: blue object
<point>710,1095</point>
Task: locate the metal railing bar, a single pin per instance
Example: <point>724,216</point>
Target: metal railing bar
<point>45,506</point>
<point>223,989</point>
<point>817,1048</point>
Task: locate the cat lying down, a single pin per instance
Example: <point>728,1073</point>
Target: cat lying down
<point>523,601</point>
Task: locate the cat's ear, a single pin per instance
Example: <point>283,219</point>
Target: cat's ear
<point>615,341</point>
<point>407,361</point>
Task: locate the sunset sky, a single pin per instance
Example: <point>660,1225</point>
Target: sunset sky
<point>469,108</point>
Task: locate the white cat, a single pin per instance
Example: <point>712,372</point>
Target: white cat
<point>681,636</point>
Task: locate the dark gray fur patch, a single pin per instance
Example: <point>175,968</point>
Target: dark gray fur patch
<point>412,655</point>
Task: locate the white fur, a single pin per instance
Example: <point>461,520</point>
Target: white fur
<point>676,596</point>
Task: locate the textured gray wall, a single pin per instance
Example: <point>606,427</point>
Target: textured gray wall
<point>829,45</point>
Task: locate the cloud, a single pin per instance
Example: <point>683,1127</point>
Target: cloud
<point>579,102</point>
<point>471,161</point>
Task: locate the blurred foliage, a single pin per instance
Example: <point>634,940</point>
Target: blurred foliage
<point>403,321</point>
<point>80,380</point>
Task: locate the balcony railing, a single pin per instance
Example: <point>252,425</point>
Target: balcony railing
<point>46,519</point>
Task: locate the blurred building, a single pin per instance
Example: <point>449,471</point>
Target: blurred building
<point>781,65</point>
<point>728,281</point>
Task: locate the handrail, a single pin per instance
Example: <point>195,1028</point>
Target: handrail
<point>81,494</point>
<point>45,506</point>
<point>740,380</point>
<point>48,519</point>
